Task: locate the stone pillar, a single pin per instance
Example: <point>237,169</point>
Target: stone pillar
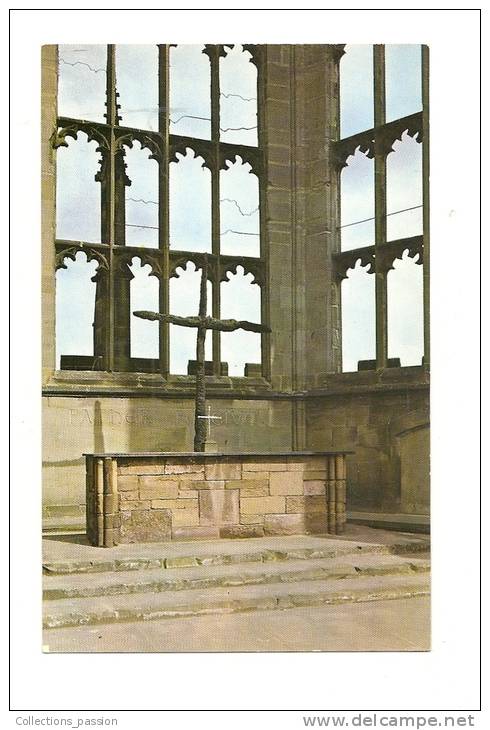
<point>302,216</point>
<point>103,519</point>
<point>49,82</point>
<point>122,317</point>
<point>336,494</point>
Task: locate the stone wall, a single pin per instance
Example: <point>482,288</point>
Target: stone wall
<point>148,498</point>
<point>73,426</point>
<point>387,427</point>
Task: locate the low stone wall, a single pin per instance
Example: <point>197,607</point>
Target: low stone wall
<point>169,496</point>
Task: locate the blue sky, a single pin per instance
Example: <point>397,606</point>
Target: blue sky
<point>82,95</point>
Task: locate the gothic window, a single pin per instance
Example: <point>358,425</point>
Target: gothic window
<point>159,162</point>
<point>382,158</point>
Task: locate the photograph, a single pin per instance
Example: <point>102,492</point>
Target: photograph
<point>235,346</point>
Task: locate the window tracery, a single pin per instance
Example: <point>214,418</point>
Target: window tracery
<point>169,115</point>
<point>398,223</point>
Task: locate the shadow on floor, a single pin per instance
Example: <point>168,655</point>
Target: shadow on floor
<point>79,538</point>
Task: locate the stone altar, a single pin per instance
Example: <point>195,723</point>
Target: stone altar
<point>157,497</point>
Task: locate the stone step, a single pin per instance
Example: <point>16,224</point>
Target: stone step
<point>154,606</point>
<point>392,521</point>
<point>86,559</point>
<point>163,579</point>
<point>63,525</point>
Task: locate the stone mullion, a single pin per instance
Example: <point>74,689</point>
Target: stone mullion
<point>293,56</point>
<point>264,248</point>
<point>49,81</point>
<point>163,205</point>
<point>380,207</point>
<point>109,203</point>
<point>425,200</point>
<point>334,293</point>
<point>214,56</point>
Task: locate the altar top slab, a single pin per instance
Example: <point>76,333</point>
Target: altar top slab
<point>211,455</point>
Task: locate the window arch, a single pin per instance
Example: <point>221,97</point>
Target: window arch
<point>158,215</point>
<point>384,212</point>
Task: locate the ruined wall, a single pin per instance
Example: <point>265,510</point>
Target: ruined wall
<point>73,426</point>
<point>95,411</point>
<point>389,431</point>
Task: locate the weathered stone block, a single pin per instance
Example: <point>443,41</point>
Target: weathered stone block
<point>189,494</point>
<point>314,476</point>
<point>139,468</point>
<point>252,519</point>
<point>195,533</point>
<point>129,496</point>
<point>316,524</point>
<point>294,465</point>
<point>247,475</point>
<point>158,487</point>
<point>262,505</point>
<point>173,467</point>
<point>127,482</point>
<point>185,518</point>
<point>136,505</point>
<point>181,562</point>
<point>254,491</point>
<point>219,471</point>
<point>207,484</point>
<point>308,505</point>
<point>145,526</point>
<point>218,507</point>
<point>291,524</point>
<point>288,482</point>
<point>240,531</point>
<point>178,504</point>
<point>191,477</point>
<point>314,487</point>
<point>264,466</point>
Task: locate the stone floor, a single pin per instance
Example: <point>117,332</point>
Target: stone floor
<point>74,547</point>
<point>397,625</point>
<point>364,591</point>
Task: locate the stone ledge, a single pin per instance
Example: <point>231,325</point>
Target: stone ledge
<point>397,521</point>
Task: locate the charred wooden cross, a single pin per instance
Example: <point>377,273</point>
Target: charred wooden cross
<point>203,323</point>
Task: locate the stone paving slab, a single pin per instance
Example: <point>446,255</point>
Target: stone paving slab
<point>395,625</point>
<point>151,606</point>
<point>155,580</point>
<point>73,553</point>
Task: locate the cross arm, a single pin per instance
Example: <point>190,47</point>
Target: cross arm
<point>230,325</point>
<point>170,318</point>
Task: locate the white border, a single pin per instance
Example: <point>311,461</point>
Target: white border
<point>446,678</point>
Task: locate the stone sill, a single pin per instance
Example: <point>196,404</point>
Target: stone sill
<point>390,379</point>
<point>91,382</point>
<point>80,383</point>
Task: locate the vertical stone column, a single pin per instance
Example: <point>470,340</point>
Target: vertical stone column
<point>122,317</point>
<point>111,503</point>
<point>49,81</point>
<point>319,341</point>
<point>302,215</point>
<point>278,142</point>
<point>336,494</point>
<point>99,501</point>
<point>340,493</point>
<point>90,506</point>
<point>103,519</point>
